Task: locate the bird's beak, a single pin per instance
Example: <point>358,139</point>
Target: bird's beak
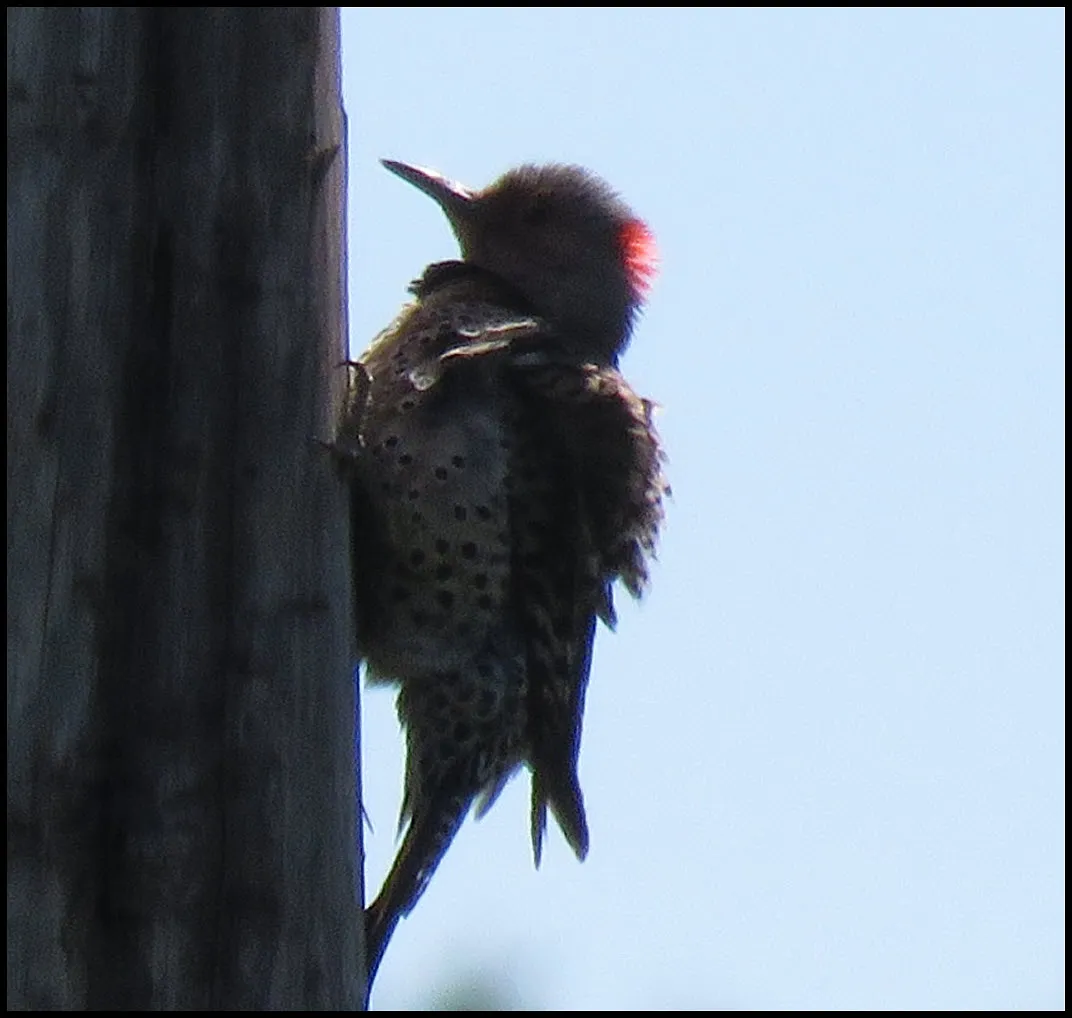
<point>456,200</point>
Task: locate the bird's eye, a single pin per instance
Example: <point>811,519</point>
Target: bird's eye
<point>538,211</point>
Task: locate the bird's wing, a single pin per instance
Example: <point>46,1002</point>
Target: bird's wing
<point>602,506</point>
<point>554,581</point>
<point>608,434</point>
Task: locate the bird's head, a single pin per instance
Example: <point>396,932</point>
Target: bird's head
<point>560,237</point>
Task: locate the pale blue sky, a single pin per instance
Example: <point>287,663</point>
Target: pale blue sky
<point>824,760</point>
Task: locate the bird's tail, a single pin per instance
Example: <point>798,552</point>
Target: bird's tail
<point>427,839</point>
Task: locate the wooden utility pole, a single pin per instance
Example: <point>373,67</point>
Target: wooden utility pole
<point>182,807</point>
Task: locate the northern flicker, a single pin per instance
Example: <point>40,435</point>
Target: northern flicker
<point>504,476</point>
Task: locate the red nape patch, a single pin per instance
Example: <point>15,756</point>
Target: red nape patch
<point>640,255</point>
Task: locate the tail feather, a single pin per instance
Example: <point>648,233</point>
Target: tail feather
<point>563,795</point>
<point>427,839</point>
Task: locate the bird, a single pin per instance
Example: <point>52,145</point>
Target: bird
<point>504,475</point>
